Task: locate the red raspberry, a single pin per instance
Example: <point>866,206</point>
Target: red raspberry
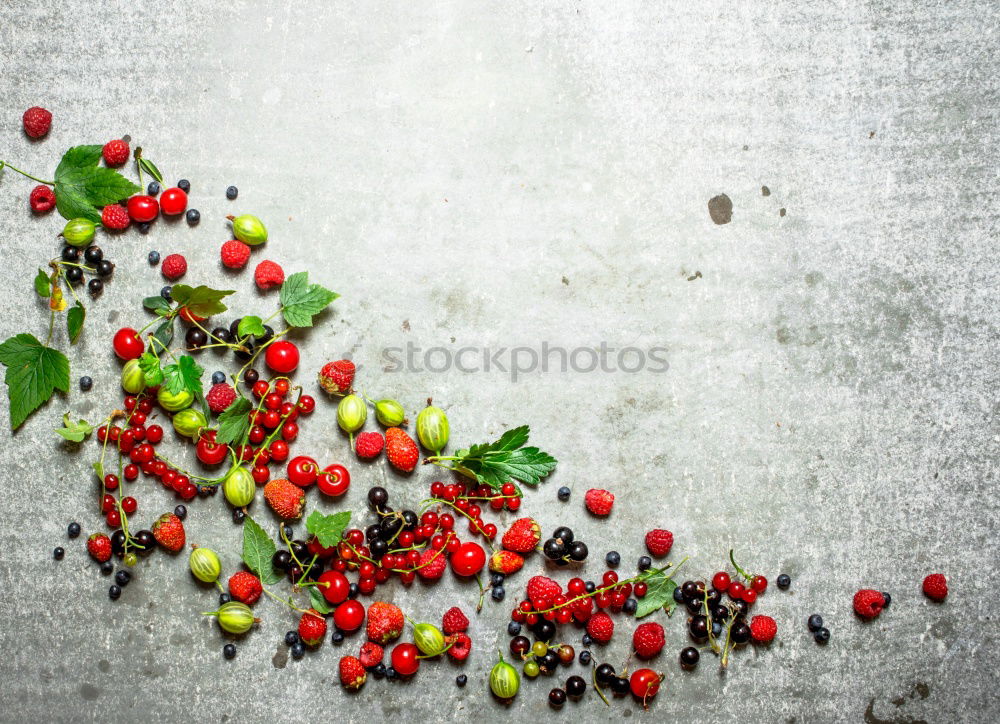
<point>99,546</point>
<point>174,266</point>
<point>37,121</point>
<point>432,564</point>
<point>601,627</point>
<point>936,587</point>
<point>868,603</point>
<point>659,542</point>
<point>235,254</point>
<point>371,654</point>
<point>763,629</point>
<point>312,627</point>
<point>369,445</point>
<point>460,646</point>
<point>115,152</point>
<point>268,275</point>
<point>454,621</point>
<point>42,199</point>
<point>336,377</point>
<point>114,217</point>
<point>599,502</point>
<point>220,397</point>
<point>541,588</point>
<point>648,640</point>
<point>245,587</point>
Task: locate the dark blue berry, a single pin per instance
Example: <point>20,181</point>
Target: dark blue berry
<point>678,595</point>
<point>292,638</point>
<point>630,605</point>
<point>783,581</point>
<point>496,579</point>
<point>224,598</point>
<point>716,628</point>
<point>218,378</point>
<point>822,635</point>
<point>298,650</point>
<point>644,563</point>
<point>378,670</point>
<point>586,657</point>
<point>58,553</point>
<point>613,558</point>
<point>73,530</point>
<point>153,188</point>
<point>114,592</point>
<point>513,628</point>
<point>587,640</point>
<point>144,227</point>
<point>353,591</point>
<point>390,673</point>
<point>232,192</point>
<point>563,493</point>
<point>193,216</point>
<point>337,637</point>
<point>181,512</point>
<point>165,293</point>
<point>888,599</point>
<point>154,257</point>
<point>184,185</point>
<point>461,680</point>
<point>107,567</point>
<point>498,593</point>
<point>122,577</point>
<point>229,651</point>
<point>86,383</point>
<point>815,622</point>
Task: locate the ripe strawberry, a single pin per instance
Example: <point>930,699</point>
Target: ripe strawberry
<point>541,588</point>
<point>352,673</point>
<point>601,627</point>
<point>114,217</point>
<point>169,532</point>
<point>312,627</point>
<point>460,646</point>
<point>648,640</point>
<point>599,502</point>
<point>506,562</point>
<point>763,629</point>
<point>659,542</point>
<point>868,603</point>
<point>936,587</point>
<point>37,121</point>
<point>245,587</point>
<point>385,622</point>
<point>285,498</point>
<point>99,547</point>
<point>115,152</point>
<point>522,536</point>
<point>220,397</point>
<point>454,621</point>
<point>369,445</point>
<point>400,449</point>
<point>371,654</point>
<point>432,564</point>
<point>235,254</point>
<point>337,377</point>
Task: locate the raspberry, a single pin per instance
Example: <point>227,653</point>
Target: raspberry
<point>312,627</point>
<point>245,587</point>
<point>235,254</point>
<point>601,627</point>
<point>400,449</point>
<point>541,588</point>
<point>371,654</point>
<point>659,542</point>
<point>268,275</point>
<point>220,397</point>
<point>336,377</point>
<point>115,152</point>
<point>99,547</point>
<point>432,564</point>
<point>37,121</point>
<point>868,603</point>
<point>454,621</point>
<point>352,673</point>
<point>174,266</point>
<point>936,587</point>
<point>42,199</point>
<point>763,629</point>
<point>599,502</point>
<point>460,645</point>
<point>369,445</point>
<point>114,217</point>
<point>648,640</point>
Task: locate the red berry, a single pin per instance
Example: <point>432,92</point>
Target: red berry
<point>235,254</point>
<point>281,387</point>
<point>610,578</point>
<point>131,472</point>
<point>640,589</point>
<point>749,595</point>
<point>260,474</point>
<point>115,152</point>
<point>272,401</point>
<point>935,587</point>
<point>129,504</point>
<point>763,629</point>
<point>210,452</point>
<point>302,471</point>
<point>173,201</point>
<point>599,502</point>
<point>468,560</point>
<point>349,615</point>
<point>644,684</point>
<point>174,266</point>
<point>143,208</point>
<point>306,404</point>
<point>282,356</point>
<point>107,503</point>
<point>720,582</point>
<point>42,199</point>
<point>289,431</point>
<point>758,583</point>
<point>334,480</point>
<point>268,275</point>
<point>868,604</point>
<point>114,217</point>
<point>154,433</point>
<point>37,121</point>
<point>127,344</point>
<point>260,388</point>
<point>659,542</point>
<point>113,518</point>
<point>111,481</point>
<point>334,586</point>
<point>405,659</point>
<point>736,590</point>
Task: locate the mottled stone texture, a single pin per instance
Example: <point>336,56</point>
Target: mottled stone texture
<point>473,174</point>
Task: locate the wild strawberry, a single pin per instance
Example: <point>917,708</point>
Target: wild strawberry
<point>352,673</point>
<point>599,502</point>
<point>245,587</point>
<point>115,152</point>
<point>221,396</point>
<point>312,627</point>
<point>936,587</point>
<point>541,588</point>
<point>169,532</point>
<point>400,449</point>
<point>868,603</point>
<point>506,562</point>
<point>37,121</point>
<point>114,217</point>
<point>369,445</point>
<point>460,645</point>
<point>385,622</point>
<point>432,564</point>
<point>522,536</point>
<point>601,627</point>
<point>99,547</point>
<point>285,498</point>
<point>648,640</point>
<point>235,254</point>
<point>371,654</point>
<point>42,199</point>
<point>763,629</point>
<point>659,542</point>
<point>454,621</point>
<point>337,377</point>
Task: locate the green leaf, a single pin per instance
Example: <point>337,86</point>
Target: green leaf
<point>184,374</point>
<point>43,285</point>
<point>164,334</point>
<point>157,304</point>
<point>150,168</point>
<point>201,301</point>
<point>301,301</point>
<point>74,431</point>
<point>258,549</point>
<point>149,363</point>
<point>659,592</point>
<point>34,372</point>
<point>250,325</point>
<point>74,321</point>
<point>328,529</point>
<point>98,469</point>
<point>317,601</point>
<point>233,422</point>
<point>505,460</point>
<point>82,186</point>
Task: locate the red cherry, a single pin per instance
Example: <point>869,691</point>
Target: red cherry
<point>468,560</point>
<point>129,504</point>
<point>260,474</point>
<point>127,344</point>
<point>173,201</point>
<point>306,404</point>
<point>759,584</point>
<point>334,480</point>
<point>279,450</point>
<point>405,659</point>
<point>349,616</point>
<point>282,357</point>
<point>143,208</point>
<point>334,586</point>
<point>644,684</point>
<point>302,471</point>
<point>210,452</point>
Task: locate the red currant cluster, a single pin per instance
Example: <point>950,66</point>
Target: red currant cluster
<point>463,498</point>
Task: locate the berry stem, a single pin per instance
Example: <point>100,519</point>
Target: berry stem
<point>424,504</point>
<point>746,576</point>
<point>7,164</point>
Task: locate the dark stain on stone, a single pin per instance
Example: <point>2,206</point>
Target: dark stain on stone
<point>89,692</point>
<point>565,281</point>
<point>814,278</point>
<point>781,212</point>
<point>696,275</point>
<point>720,208</point>
<point>405,325</point>
<point>280,658</point>
<point>922,690</point>
<point>113,315</point>
<point>746,148</point>
<point>871,134</point>
<point>179,639</point>
<point>765,191</point>
<point>104,666</point>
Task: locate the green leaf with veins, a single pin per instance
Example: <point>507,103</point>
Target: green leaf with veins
<point>82,187</point>
<point>301,301</point>
<point>250,325</point>
<point>149,363</point>
<point>201,301</point>
<point>233,422</point>
<point>74,431</point>
<point>164,334</point>
<point>258,549</point>
<point>659,592</point>
<point>184,374</point>
<point>150,168</point>
<point>317,601</point>
<point>504,460</point>
<point>34,372</point>
<point>43,285</point>
<point>157,304</point>
<point>74,321</point>
<point>328,529</point>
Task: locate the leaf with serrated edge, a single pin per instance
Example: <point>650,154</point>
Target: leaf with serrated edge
<point>258,549</point>
<point>301,301</point>
<point>185,374</point>
<point>659,591</point>
<point>81,186</point>
<point>43,284</point>
<point>34,372</point>
<point>74,322</point>
<point>328,528</point>
<point>233,422</point>
<point>149,363</point>
<point>250,325</point>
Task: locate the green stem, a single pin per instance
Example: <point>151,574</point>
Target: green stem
<point>6,164</point>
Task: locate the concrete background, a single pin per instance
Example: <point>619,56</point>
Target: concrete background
<point>471,175</point>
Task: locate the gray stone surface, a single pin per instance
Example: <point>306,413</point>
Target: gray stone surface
<point>540,172</point>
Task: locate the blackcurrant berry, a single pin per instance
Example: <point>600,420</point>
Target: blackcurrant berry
<point>698,627</point>
<point>229,651</point>
<point>604,673</point>
<point>105,268</point>
<point>93,254</point>
<point>184,185</point>
<point>783,581</point>
<point>165,293</point>
<point>815,622</point>
<point>86,383</point>
<point>586,657</point>
<point>577,551</point>
<point>497,579</point>
<point>557,697</point>
<point>232,192</point>
<point>250,377</point>
<point>888,599</point>
<point>513,628</point>
<point>221,334</point>
<point>114,592</point>
<point>107,567</point>
<point>576,686</point>
<point>193,216</point>
<point>689,657</point>
<point>153,188</point>
<point>70,253</point>
<point>822,635</point>
<point>378,547</point>
<point>645,562</point>
<point>144,227</point>
<point>74,275</point>
<point>613,558</point>
<point>630,605</point>
<point>224,598</point>
<point>58,553</point>
<point>73,529</point>
<point>620,685</point>
<point>553,549</point>
<point>298,650</point>
<point>378,496</point>
<point>238,515</point>
<point>741,607</point>
<point>544,630</point>
<point>147,540</point>
<point>195,338</point>
<point>95,287</point>
<point>740,633</point>
<point>218,377</point>
<point>563,493</point>
<point>266,337</point>
<point>563,534</point>
<point>292,638</point>
<point>410,519</point>
<point>118,542</point>
<point>548,661</point>
<point>122,577</point>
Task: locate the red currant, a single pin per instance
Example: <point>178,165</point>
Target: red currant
<point>366,586</point>
<point>154,433</point>
<point>508,488</point>
<point>289,431</point>
<point>288,411</point>
<point>110,481</point>
<point>640,589</point>
<point>272,418</point>
<point>130,402</point>
<point>131,472</point>
<point>272,401</point>
<point>102,433</point>
<point>610,578</point>
<point>334,480</point>
<point>749,595</point>
<point>735,590</point>
<point>720,581</point>
<point>260,474</point>
<point>127,344</point>
<point>282,356</point>
<point>173,201</point>
<point>281,387</point>
<point>437,489</point>
<point>137,418</point>
<point>306,404</point>
<point>490,531</point>
<point>107,503</point>
<point>260,388</point>
<point>113,518</point>
<point>279,450</point>
<point>129,504</point>
<point>452,545</point>
<point>446,521</point>
<point>188,492</point>
<point>513,503</point>
<point>759,584</point>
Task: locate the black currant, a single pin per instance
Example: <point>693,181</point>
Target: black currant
<point>147,540</point>
<point>70,253</point>
<point>93,254</point>
<point>577,551</point>
<point>576,686</point>
<point>604,673</point>
<point>122,577</point>
<point>105,268</point>
<point>58,553</point>
<point>73,529</point>
<point>563,493</point>
<point>221,334</point>
<point>557,697</point>
<point>229,651</point>
<point>86,383</point>
<point>783,581</point>
<point>250,377</point>
<point>410,519</point>
<point>689,657</point>
<point>563,534</point>
<point>553,549</point>
<point>815,622</point>
<point>620,685</point>
<point>118,542</point>
<point>740,632</point>
<point>195,338</point>
<point>74,275</point>
<point>698,627</point>
<point>238,515</point>
<point>544,630</point>
<point>95,287</point>
<point>378,548</point>
<point>378,496</point>
<point>586,657</point>
<point>678,595</point>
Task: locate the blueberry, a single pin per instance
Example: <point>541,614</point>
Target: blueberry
<point>232,192</point>
<point>114,592</point>
<point>586,657</point>
<point>144,227</point>
<point>154,257</point>
<point>613,558</point>
<point>815,622</point>
<point>678,595</point>
<point>461,680</point>
<point>193,216</point>
<point>822,635</point>
<point>224,598</point>
<point>181,512</point>
<point>498,593</point>
<point>783,581</point>
<point>218,378</point>
<point>229,651</point>
<point>153,188</point>
<point>107,567</point>
<point>122,577</point>
<point>644,563</point>
<point>716,628</point>
<point>337,637</point>
<point>184,185</point>
<point>587,640</point>
<point>590,586</point>
<point>496,579</point>
<point>563,493</point>
<point>630,605</point>
<point>353,591</point>
<point>58,553</point>
<point>165,293</point>
<point>86,383</point>
<point>513,628</point>
<point>95,287</point>
<point>73,530</point>
<point>238,515</point>
<point>298,650</point>
<point>378,670</point>
<point>888,599</point>
<point>70,253</point>
<point>390,673</point>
